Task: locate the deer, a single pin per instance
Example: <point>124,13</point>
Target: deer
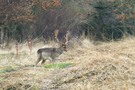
<point>52,53</point>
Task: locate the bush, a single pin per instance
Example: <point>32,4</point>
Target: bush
<point>111,20</point>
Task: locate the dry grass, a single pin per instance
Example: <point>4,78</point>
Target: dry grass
<point>104,66</point>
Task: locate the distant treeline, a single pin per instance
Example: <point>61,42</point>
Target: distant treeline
<point>94,19</point>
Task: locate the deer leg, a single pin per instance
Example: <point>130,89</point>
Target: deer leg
<point>39,59</point>
<point>43,61</point>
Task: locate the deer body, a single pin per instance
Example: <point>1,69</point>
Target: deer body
<point>49,53</point>
<point>52,53</point>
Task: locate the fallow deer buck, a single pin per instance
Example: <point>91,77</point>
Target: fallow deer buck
<point>52,53</point>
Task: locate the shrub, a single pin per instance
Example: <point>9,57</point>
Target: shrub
<point>111,20</point>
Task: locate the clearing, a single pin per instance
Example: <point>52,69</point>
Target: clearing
<point>96,66</point>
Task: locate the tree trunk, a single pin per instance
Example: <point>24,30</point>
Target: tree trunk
<point>1,36</point>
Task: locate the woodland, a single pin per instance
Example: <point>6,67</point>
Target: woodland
<point>102,20</point>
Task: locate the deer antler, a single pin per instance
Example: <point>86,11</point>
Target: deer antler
<point>56,32</point>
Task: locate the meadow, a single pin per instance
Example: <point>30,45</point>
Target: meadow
<point>86,66</point>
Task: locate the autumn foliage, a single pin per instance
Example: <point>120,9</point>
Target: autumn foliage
<point>18,10</point>
<point>99,20</point>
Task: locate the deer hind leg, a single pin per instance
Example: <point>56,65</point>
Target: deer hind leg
<point>43,61</point>
<point>39,59</point>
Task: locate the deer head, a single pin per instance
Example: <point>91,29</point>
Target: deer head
<point>65,40</point>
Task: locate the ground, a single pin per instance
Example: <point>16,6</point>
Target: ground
<point>96,66</point>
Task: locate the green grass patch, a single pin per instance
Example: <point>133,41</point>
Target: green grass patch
<point>59,65</point>
<point>6,69</point>
<point>2,79</point>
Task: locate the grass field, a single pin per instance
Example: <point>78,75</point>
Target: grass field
<point>90,66</point>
